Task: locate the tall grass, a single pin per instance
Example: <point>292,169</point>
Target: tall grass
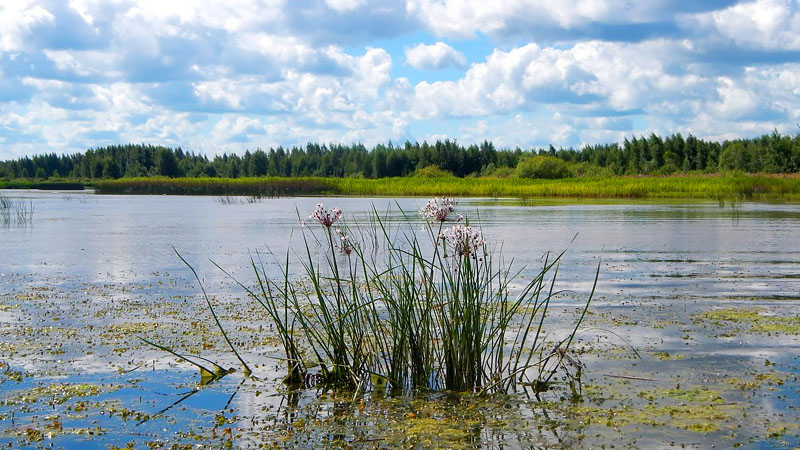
<point>259,187</point>
<point>55,185</point>
<point>731,186</point>
<point>409,309</point>
<point>17,212</point>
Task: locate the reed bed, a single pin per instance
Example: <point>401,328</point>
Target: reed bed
<point>239,199</point>
<point>64,185</point>
<point>253,187</point>
<point>737,186</point>
<point>18,212</point>
<point>408,310</point>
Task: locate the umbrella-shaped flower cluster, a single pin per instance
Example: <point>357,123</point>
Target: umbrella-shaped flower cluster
<point>465,240</point>
<point>324,217</point>
<point>439,209</point>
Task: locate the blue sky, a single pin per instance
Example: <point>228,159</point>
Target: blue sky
<point>224,76</point>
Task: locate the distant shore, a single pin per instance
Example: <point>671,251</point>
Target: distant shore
<point>713,187</point>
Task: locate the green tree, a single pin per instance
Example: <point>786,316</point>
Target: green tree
<point>542,166</point>
<point>166,164</point>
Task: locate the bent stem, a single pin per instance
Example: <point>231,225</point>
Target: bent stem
<point>247,370</point>
<point>206,375</point>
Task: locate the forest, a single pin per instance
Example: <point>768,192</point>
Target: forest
<point>653,155</point>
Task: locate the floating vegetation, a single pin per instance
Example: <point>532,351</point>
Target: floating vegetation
<point>56,393</point>
<point>17,212</point>
<point>666,356</point>
<point>753,320</point>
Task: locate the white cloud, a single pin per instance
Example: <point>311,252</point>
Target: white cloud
<point>611,76</point>
<point>462,19</point>
<point>179,16</point>
<point>435,56</point>
<point>345,5</point>
<point>16,19</point>
<point>228,75</point>
<point>762,24</point>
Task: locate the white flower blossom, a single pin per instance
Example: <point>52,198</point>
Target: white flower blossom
<point>465,240</point>
<point>438,209</point>
<point>324,217</point>
<point>346,244</point>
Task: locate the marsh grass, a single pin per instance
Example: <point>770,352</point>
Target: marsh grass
<point>713,187</point>
<point>239,199</point>
<point>17,212</point>
<point>264,187</point>
<point>409,309</point>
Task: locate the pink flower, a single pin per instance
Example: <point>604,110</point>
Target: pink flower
<point>346,244</point>
<point>438,209</point>
<point>324,217</point>
<point>465,241</point>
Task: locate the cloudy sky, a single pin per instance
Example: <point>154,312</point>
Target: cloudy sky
<point>224,76</point>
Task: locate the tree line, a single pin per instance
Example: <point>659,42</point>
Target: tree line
<point>653,155</point>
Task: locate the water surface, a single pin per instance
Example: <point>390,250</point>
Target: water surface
<point>706,294</point>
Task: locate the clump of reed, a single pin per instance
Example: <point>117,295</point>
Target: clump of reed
<point>410,310</point>
<point>239,199</point>
<point>17,212</point>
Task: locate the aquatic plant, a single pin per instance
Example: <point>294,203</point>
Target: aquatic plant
<point>17,212</point>
<point>239,200</point>
<point>712,187</point>
<point>438,209</point>
<point>417,314</point>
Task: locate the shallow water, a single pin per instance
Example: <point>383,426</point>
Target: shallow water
<point>90,273</point>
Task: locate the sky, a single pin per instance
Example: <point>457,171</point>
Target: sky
<point>217,76</point>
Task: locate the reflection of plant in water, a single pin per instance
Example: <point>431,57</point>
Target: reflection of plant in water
<point>441,420</point>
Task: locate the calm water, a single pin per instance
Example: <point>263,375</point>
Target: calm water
<point>89,266</point>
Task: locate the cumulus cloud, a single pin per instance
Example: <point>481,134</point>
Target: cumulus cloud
<point>761,24</point>
<point>436,56</point>
<point>225,76</point>
<point>617,76</point>
<point>533,19</point>
<point>16,21</point>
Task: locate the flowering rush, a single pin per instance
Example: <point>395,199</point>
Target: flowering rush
<point>324,217</point>
<point>438,208</point>
<point>465,240</point>
<point>346,244</point>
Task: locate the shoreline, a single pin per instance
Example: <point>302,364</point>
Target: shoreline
<point>738,187</point>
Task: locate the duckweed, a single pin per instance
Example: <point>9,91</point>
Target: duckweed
<point>754,320</point>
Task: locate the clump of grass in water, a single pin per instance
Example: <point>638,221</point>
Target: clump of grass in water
<point>15,212</point>
<point>416,315</point>
<point>239,200</point>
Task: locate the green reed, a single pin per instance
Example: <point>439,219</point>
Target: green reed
<point>18,212</point>
<point>403,310</point>
<point>729,186</point>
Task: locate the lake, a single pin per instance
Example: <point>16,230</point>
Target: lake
<point>692,338</point>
